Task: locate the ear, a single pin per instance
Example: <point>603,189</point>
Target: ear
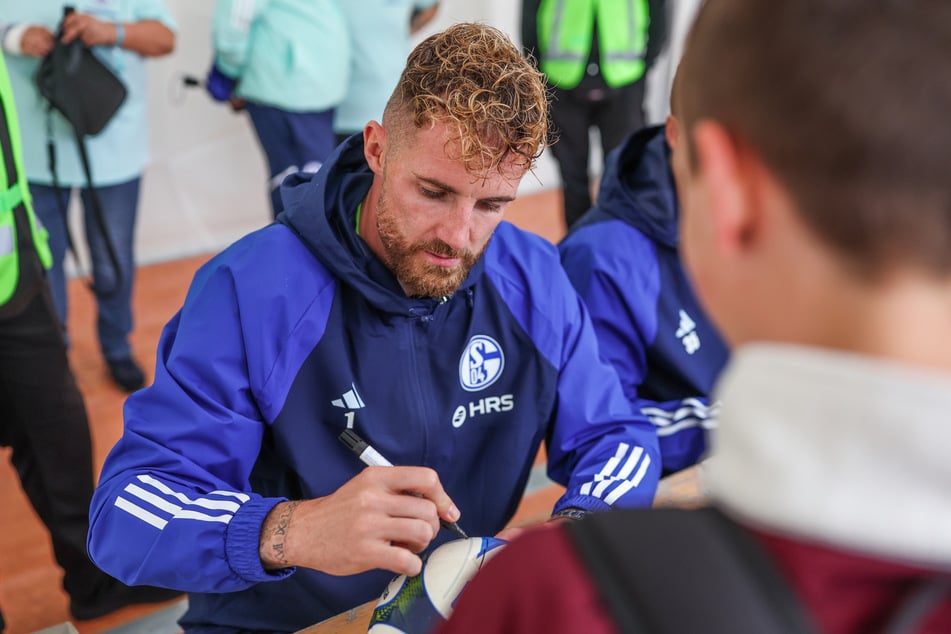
<point>672,131</point>
<point>729,180</point>
<point>374,146</point>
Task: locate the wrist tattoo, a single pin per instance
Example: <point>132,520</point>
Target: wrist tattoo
<point>274,536</point>
<point>571,513</point>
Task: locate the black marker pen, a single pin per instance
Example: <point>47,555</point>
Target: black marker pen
<point>373,458</point>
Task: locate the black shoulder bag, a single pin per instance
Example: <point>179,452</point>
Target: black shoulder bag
<point>86,92</point>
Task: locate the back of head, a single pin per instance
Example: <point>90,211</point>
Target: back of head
<point>472,77</point>
<point>847,102</point>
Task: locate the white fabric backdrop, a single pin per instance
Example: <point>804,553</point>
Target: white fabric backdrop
<point>206,183</point>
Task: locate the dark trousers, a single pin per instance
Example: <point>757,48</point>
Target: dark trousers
<point>292,142</point>
<point>43,420</point>
<point>119,205</point>
<point>615,112</point>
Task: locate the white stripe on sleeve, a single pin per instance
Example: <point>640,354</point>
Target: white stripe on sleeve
<point>627,485</point>
<point>608,468</point>
<point>629,465</point>
<point>216,505</point>
<point>142,514</point>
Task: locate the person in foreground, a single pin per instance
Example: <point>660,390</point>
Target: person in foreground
<point>390,299</point>
<point>817,228</point>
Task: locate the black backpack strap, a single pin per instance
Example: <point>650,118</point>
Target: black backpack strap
<point>670,571</point>
<point>920,603</point>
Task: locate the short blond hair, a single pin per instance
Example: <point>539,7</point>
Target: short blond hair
<point>474,78</point>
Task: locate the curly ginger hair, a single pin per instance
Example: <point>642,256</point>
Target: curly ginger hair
<point>472,77</point>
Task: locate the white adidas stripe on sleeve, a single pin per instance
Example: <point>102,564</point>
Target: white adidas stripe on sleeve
<point>606,480</point>
<point>692,413</point>
<point>154,499</point>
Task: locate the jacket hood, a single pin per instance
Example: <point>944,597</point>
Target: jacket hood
<point>321,209</point>
<point>638,187</point>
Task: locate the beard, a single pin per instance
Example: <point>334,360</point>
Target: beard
<point>418,277</point>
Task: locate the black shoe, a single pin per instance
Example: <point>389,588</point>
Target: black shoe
<point>119,596</point>
<point>126,373</point>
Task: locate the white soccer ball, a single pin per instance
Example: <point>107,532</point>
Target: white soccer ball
<point>414,605</point>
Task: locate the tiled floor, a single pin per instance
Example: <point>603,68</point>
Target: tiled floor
<point>30,594</point>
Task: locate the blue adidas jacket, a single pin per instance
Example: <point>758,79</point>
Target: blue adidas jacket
<point>296,331</point>
<point>622,258</point>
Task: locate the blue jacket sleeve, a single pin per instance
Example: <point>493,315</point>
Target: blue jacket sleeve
<point>620,290</point>
<point>682,426</point>
<point>603,451</point>
<point>623,312</point>
<point>615,270</point>
<point>174,506</point>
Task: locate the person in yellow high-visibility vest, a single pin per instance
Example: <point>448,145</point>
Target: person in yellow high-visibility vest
<point>43,417</point>
<point>595,54</point>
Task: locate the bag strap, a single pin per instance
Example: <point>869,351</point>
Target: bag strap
<point>920,603</point>
<point>101,221</point>
<point>51,164</point>
<point>668,571</point>
<point>94,199</point>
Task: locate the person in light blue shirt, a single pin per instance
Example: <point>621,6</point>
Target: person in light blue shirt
<point>287,64</point>
<point>380,33</point>
<point>122,33</point>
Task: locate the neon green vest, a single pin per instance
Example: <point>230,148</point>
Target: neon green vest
<point>565,30</point>
<point>14,196</point>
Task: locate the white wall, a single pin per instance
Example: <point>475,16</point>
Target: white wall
<point>206,183</point>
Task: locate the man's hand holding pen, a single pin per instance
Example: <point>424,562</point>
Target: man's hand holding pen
<point>370,522</point>
<point>369,456</point>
